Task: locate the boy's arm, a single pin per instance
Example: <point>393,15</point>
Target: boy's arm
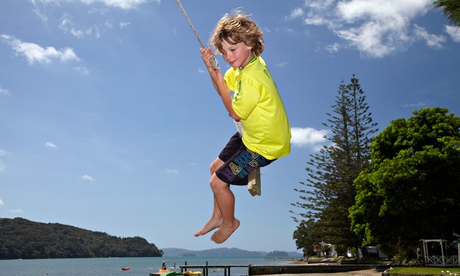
<point>219,82</point>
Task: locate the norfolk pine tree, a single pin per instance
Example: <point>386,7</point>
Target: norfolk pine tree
<point>330,191</point>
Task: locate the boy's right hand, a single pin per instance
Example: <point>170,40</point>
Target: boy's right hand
<point>209,59</point>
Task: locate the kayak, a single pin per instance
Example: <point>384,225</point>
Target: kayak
<point>191,272</point>
<point>171,273</point>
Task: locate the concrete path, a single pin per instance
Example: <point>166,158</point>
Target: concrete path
<point>366,272</point>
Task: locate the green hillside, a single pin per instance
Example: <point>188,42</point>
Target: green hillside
<point>24,239</point>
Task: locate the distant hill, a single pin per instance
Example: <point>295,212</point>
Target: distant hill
<point>24,239</point>
<point>226,252</point>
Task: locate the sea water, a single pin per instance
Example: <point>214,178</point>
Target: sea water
<point>138,266</point>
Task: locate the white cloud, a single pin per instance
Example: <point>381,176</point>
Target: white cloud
<point>369,39</point>
<point>37,11</point>
<point>417,104</point>
<point>432,40</point>
<point>2,166</point>
<point>36,53</point>
<point>87,178</point>
<point>332,48</point>
<point>4,92</point>
<point>282,64</point>
<point>376,28</point>
<point>316,20</point>
<point>123,4</point>
<point>51,145</point>
<point>108,24</point>
<point>172,171</point>
<point>298,12</point>
<point>320,4</point>
<point>1,202</point>
<point>377,10</point>
<point>17,211</point>
<point>81,70</point>
<point>453,32</point>
<point>124,24</point>
<point>99,11</point>
<point>66,24</point>
<point>302,137</point>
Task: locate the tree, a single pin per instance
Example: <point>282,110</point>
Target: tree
<point>21,238</point>
<point>412,187</point>
<point>329,191</point>
<point>306,235</point>
<point>451,9</point>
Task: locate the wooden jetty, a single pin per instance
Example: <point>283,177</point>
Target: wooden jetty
<point>205,268</point>
<point>283,269</point>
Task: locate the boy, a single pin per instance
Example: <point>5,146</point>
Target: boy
<point>256,104</point>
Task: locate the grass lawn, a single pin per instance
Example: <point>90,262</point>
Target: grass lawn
<point>424,270</point>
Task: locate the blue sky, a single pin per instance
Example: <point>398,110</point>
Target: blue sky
<point>108,120</point>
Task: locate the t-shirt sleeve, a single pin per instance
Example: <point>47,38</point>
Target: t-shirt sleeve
<point>245,99</point>
<point>230,79</point>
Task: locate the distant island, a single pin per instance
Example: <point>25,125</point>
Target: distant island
<point>24,239</point>
<point>227,252</point>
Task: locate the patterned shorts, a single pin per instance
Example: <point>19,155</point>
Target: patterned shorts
<point>239,162</point>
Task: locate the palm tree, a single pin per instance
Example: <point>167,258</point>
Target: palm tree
<point>450,8</point>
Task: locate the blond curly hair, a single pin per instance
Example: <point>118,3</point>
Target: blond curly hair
<point>235,28</point>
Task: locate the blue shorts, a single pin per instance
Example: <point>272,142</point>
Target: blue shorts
<point>239,161</point>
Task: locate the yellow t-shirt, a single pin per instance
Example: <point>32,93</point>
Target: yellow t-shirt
<point>257,102</point>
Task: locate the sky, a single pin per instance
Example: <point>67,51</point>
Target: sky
<point>109,121</point>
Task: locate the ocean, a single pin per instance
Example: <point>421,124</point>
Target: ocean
<point>138,266</point>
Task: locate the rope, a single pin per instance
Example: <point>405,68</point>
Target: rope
<point>190,23</point>
<point>213,60</point>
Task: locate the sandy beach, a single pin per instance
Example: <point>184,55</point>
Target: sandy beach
<point>361,272</point>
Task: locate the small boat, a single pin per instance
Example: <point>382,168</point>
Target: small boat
<point>125,268</point>
<point>165,272</point>
<point>161,271</point>
<point>171,273</point>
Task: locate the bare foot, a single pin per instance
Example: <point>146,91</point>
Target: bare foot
<point>225,231</point>
<point>212,224</point>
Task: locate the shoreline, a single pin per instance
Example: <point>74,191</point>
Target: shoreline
<point>300,267</point>
<point>365,272</point>
<point>319,269</point>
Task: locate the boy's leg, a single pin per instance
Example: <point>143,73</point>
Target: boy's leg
<point>216,218</point>
<point>226,203</point>
<point>214,222</point>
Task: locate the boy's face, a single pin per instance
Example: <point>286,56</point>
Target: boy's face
<point>237,55</point>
